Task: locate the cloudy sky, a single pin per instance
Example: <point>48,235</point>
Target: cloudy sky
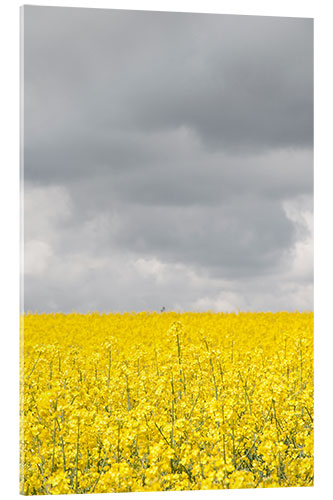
<point>168,161</point>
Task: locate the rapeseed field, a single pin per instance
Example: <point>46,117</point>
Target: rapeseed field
<point>165,401</point>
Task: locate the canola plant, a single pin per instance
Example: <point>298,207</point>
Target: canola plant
<point>165,401</point>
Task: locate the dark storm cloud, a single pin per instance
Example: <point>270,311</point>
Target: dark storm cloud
<point>240,82</point>
<point>243,237</point>
<point>167,136</point>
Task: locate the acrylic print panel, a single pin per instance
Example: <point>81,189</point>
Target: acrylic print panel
<point>167,325</point>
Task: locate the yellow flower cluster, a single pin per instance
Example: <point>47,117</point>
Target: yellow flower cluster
<point>170,401</point>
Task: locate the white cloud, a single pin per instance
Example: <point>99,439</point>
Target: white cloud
<point>150,268</point>
<point>36,257</point>
<point>298,260</point>
<point>224,301</point>
<point>45,209</point>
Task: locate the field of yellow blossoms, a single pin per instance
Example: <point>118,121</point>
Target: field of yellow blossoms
<point>166,401</point>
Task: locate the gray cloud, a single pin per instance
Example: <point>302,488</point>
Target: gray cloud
<point>240,82</point>
<point>172,141</point>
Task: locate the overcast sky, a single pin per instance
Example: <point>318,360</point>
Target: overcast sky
<point>168,161</point>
